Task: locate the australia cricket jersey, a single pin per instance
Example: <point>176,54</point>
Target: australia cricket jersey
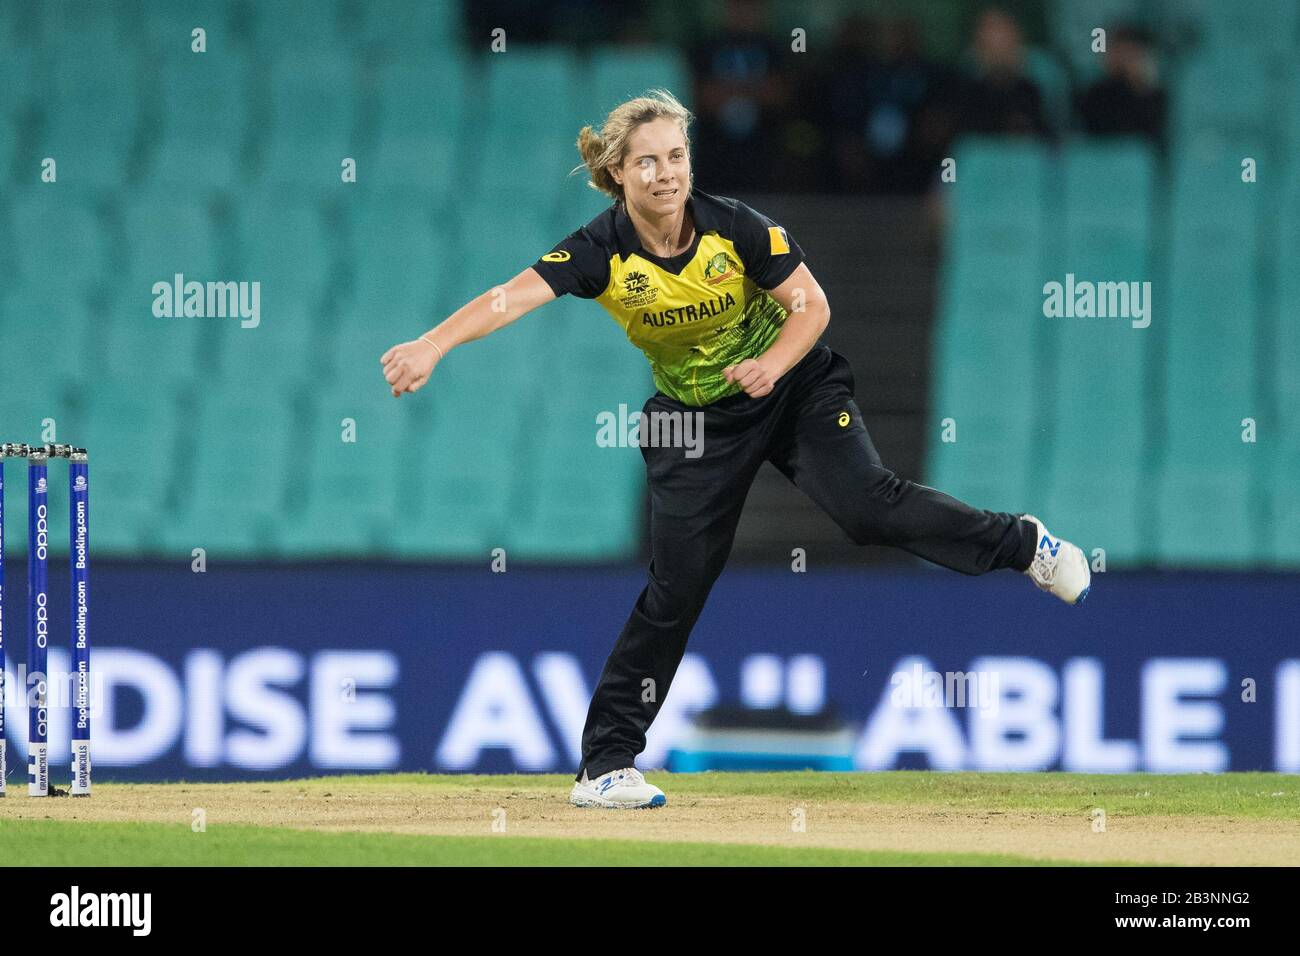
<point>692,314</point>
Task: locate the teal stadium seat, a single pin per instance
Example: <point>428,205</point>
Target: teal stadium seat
<point>397,25</point>
<point>70,27</point>
<point>464,445</point>
<point>351,360</point>
<point>132,435</point>
<point>314,109</point>
<point>1286,353</point>
<point>1291,112</point>
<point>236,490</point>
<point>618,73</point>
<point>90,123</point>
<point>990,324</point>
<point>284,247</point>
<point>1210,341</point>
<point>167,353</point>
<point>584,500</point>
<point>355,493</point>
<point>168,27</point>
<point>422,124</point>
<point>1270,26</point>
<point>1284,502</point>
<point>8,144</point>
<point>579,204</point>
<point>389,434</point>
<point>496,240</point>
<point>593,352</point>
<point>311,27</point>
<point>1225,94</point>
<point>399,253</point>
<point>62,239</point>
<point>281,349</point>
<point>169,235</point>
<point>535,110</point>
<point>284,243</point>
<point>594,492</point>
<point>586,507</point>
<point>47,347</point>
<point>18,78</point>
<point>471,467</point>
<point>205,114</point>
<point>1099,398</point>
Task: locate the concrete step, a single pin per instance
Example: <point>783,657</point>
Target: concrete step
<point>876,261</point>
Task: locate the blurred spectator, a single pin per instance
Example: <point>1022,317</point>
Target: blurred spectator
<point>990,96</point>
<point>997,97</point>
<point>1127,100</point>
<point>879,81</point>
<point>485,16</point>
<point>579,22</point>
<point>741,95</point>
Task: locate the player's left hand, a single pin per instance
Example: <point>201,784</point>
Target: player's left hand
<point>752,376</point>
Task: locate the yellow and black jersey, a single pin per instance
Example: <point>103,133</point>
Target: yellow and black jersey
<point>693,314</point>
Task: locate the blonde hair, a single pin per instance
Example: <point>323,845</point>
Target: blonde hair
<point>607,148</point>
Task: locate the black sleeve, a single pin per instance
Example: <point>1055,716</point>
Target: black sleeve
<point>768,252</point>
<point>578,265</point>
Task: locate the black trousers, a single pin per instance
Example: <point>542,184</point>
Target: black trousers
<point>810,428</point>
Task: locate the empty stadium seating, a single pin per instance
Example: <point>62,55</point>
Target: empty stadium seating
<point>1131,440</point>
<point>282,440</point>
<point>225,166</point>
<point>987,336</point>
<point>1101,422</point>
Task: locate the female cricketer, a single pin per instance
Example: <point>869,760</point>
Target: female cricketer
<point>721,302</point>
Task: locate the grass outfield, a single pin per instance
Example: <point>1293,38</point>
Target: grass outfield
<point>750,819</point>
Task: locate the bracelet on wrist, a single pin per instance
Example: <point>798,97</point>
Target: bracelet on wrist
<point>441,353</point>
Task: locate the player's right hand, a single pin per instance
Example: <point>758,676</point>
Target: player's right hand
<point>408,366</point>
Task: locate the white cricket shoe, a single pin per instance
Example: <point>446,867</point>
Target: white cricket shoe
<point>1059,567</point>
<point>617,790</point>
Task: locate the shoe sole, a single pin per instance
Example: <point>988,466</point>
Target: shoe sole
<point>1087,587</point>
<point>596,803</point>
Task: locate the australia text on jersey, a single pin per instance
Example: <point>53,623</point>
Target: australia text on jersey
<point>706,309</point>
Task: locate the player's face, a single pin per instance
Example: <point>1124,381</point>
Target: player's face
<point>656,172</point>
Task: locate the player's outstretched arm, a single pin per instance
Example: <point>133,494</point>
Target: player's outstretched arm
<point>809,314</point>
<point>408,366</point>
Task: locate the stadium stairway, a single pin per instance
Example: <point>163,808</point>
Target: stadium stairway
<point>877,263</point>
